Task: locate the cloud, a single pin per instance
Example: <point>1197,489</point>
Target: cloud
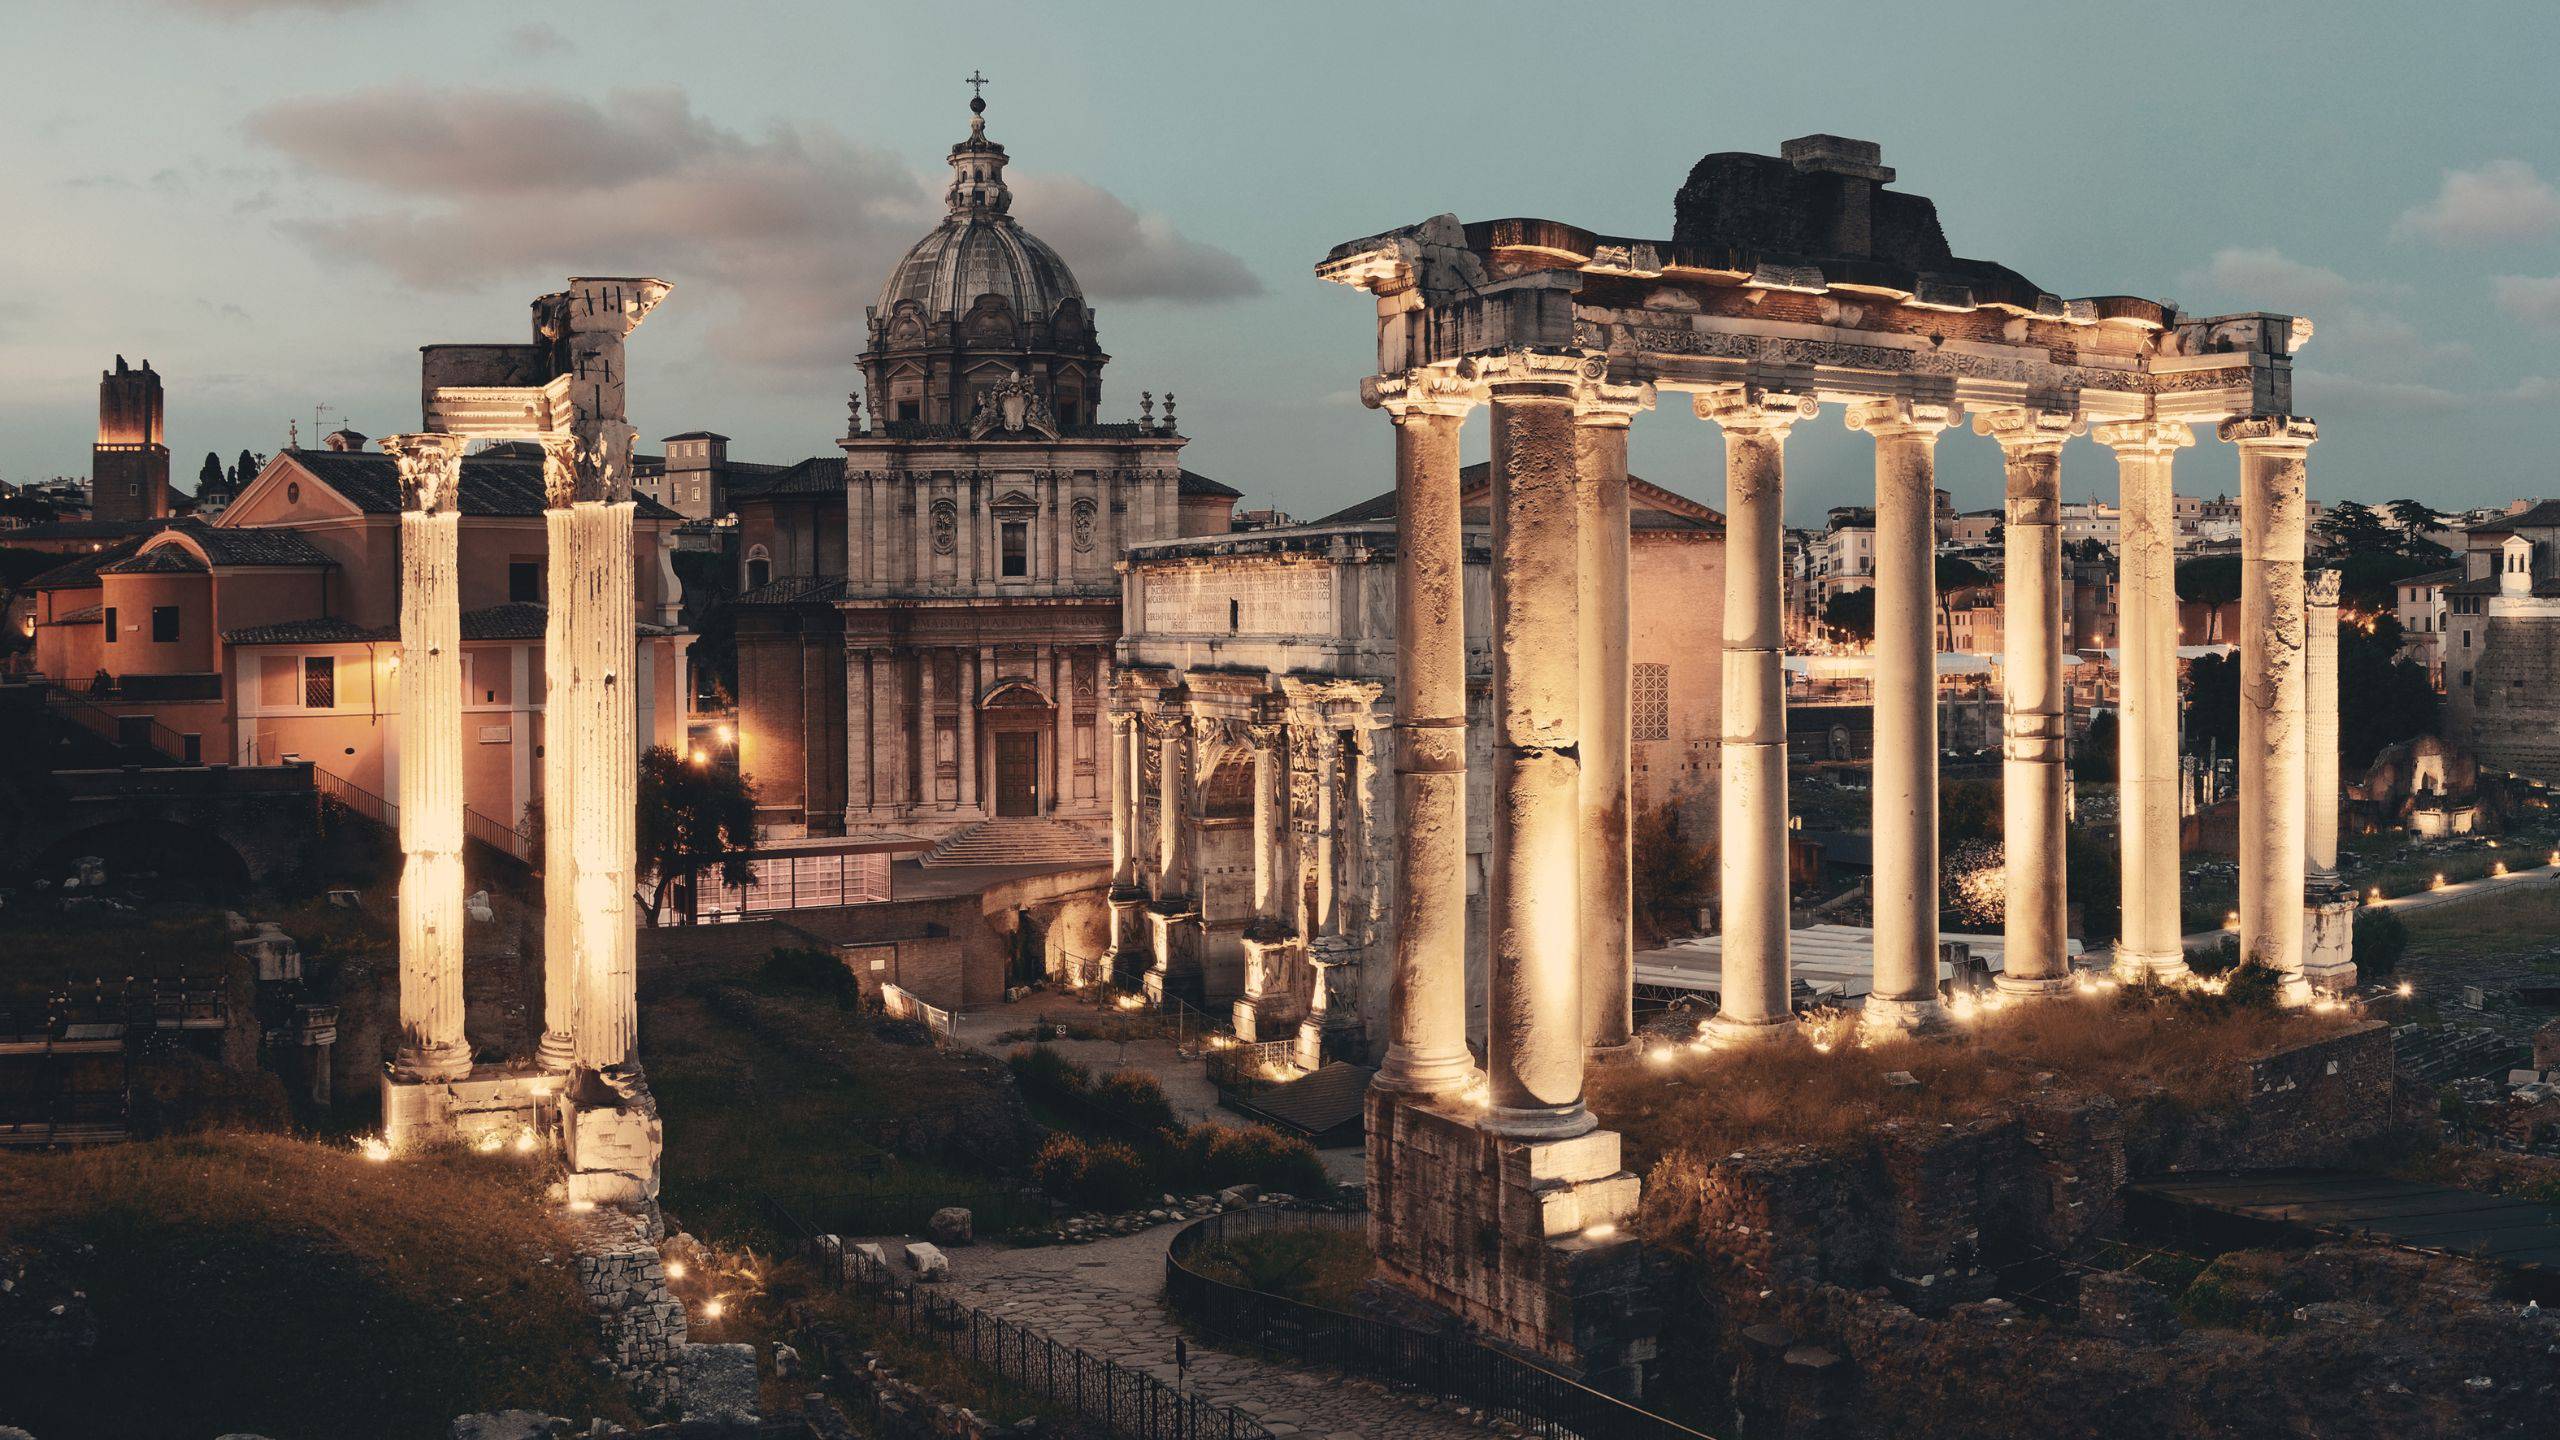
<point>245,9</point>
<point>2324,392</point>
<point>537,40</point>
<point>2266,277</point>
<point>783,236</point>
<point>2503,200</point>
<point>2534,299</point>
<point>2534,390</point>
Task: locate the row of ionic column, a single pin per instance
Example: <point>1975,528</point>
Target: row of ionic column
<point>1560,967</point>
<point>590,749</point>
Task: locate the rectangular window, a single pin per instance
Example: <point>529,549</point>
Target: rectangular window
<point>524,581</point>
<point>164,624</point>
<point>319,683</point>
<point>1650,718</point>
<point>1017,547</point>
<point>111,624</point>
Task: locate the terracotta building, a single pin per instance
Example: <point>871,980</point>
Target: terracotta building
<point>273,632</point>
<point>925,637</point>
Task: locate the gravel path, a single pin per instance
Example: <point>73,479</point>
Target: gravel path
<point>1107,1298</point>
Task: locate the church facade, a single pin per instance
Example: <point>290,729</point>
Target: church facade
<point>925,638</point>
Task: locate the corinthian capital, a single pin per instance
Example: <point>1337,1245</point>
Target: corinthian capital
<point>1603,402</point>
<point>2324,587</point>
<point>1751,407</point>
<point>1436,390</point>
<point>2145,437</point>
<point>559,471</point>
<point>1903,415</point>
<point>2024,429</point>
<point>430,468</point>
<point>2270,432</point>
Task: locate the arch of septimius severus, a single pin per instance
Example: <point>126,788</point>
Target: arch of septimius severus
<point>564,390</point>
<point>1791,284</point>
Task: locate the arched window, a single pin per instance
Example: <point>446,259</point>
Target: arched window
<point>759,567</point>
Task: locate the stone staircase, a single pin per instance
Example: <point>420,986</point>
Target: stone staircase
<point>1019,840</point>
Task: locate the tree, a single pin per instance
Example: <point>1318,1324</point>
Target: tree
<point>2392,699</point>
<point>1954,573</point>
<point>691,814</point>
<point>210,477</point>
<point>2101,746</point>
<point>2351,528</point>
<point>2214,583</point>
<point>1851,614</point>
<point>2213,705</point>
<point>245,469</point>
<point>1670,875</point>
<point>2415,517</point>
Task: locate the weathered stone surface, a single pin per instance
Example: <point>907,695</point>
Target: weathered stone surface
<point>951,1225</point>
<point>508,1425</point>
<point>719,1383</point>
<point>2119,1305</point>
<point>928,1262</point>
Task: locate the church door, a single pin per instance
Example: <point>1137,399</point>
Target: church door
<point>1017,772</point>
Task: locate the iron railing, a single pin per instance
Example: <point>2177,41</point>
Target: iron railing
<point>899,1003</point>
<point>1500,1386</point>
<point>1116,1398</point>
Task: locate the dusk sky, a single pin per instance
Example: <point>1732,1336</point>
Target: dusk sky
<point>278,202</point>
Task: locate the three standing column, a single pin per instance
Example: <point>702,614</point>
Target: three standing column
<point>1905,887</point>
<point>2148,943</point>
<point>2035,958</point>
<point>432,1045</point>
<point>2274,533</point>
<point>1427,992</point>
<point>1752,873</point>
<point>1608,901</point>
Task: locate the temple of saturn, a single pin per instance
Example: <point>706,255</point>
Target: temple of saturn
<point>563,391</point>
<point>1790,283</point>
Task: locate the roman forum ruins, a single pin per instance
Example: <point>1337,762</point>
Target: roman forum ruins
<point>565,392</point>
<point>1789,284</point>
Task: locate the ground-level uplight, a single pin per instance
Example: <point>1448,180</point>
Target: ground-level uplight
<point>374,1147</point>
<point>675,1269</point>
<point>2407,989</point>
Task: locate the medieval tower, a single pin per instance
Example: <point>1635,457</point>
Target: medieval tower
<point>129,466</point>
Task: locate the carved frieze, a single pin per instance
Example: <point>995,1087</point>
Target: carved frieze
<point>1080,521</point>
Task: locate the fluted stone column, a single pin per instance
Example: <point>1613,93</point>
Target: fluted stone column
<point>604,756</point>
<point>2036,950</point>
<point>2274,533</point>
<point>970,682</point>
<point>2147,692</point>
<point>1427,992</point>
<point>557,1049</point>
<point>432,1045</point>
<point>1753,878</point>
<point>1062,764</point>
<point>2329,904</point>
<point>1124,848</point>
<point>1608,902</point>
<point>1905,776</point>
<point>1534,1050</point>
<point>1268,817</point>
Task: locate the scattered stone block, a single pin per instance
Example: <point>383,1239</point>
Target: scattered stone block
<point>508,1425</point>
<point>478,907</point>
<point>1900,1079</point>
<point>1236,1195</point>
<point>951,1225</point>
<point>719,1383</point>
<point>929,1263</point>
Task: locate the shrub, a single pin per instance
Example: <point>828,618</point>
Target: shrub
<point>1134,1100</point>
<point>1037,1067</point>
<point>1059,1167</point>
<point>803,968</point>
<point>2253,986</point>
<point>2381,938</point>
<point>1211,1157</point>
<point>1114,1178</point>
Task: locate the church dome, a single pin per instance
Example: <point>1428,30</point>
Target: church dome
<point>979,249</point>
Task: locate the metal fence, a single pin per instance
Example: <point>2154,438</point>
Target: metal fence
<point>1503,1387</point>
<point>1116,1398</point>
<point>899,1003</point>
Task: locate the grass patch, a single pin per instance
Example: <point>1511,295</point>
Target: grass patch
<point>1317,1264</point>
<point>2513,921</point>
<point>772,1091</point>
<point>79,947</point>
<point>266,1284</point>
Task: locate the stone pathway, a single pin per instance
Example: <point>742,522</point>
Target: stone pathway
<point>1107,1299</point>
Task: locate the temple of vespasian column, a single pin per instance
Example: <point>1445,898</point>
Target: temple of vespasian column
<point>1791,283</point>
<point>564,390</point>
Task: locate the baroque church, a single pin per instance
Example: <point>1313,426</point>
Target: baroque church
<point>925,640</point>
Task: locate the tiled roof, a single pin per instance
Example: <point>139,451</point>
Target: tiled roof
<point>326,631</point>
<point>158,560</point>
<point>83,530</point>
<point>2432,577</point>
<point>81,572</point>
<point>1195,483</point>
<point>254,544</point>
<point>819,475</point>
<point>498,482</point>
<point>515,620</point>
<point>795,589</point>
<point>85,615</point>
<point>2546,512</point>
<point>696,435</point>
<point>1476,480</point>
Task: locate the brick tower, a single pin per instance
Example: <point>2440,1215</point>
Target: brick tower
<point>129,466</point>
